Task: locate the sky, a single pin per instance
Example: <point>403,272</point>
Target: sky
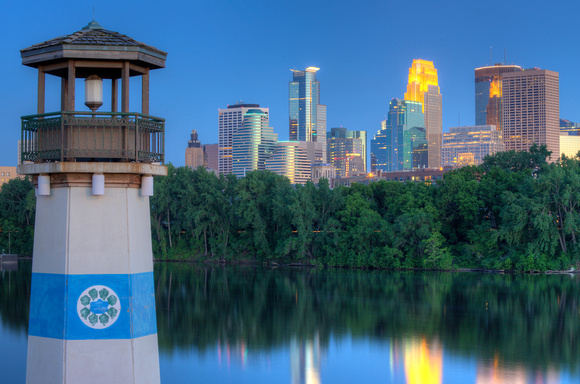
<point>221,52</point>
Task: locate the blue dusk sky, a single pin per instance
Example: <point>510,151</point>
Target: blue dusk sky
<point>220,52</point>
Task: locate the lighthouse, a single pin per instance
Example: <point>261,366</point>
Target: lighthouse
<point>92,306</point>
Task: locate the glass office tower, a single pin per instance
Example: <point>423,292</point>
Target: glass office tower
<point>307,119</point>
<point>254,142</point>
<point>488,94</point>
<point>400,144</point>
<point>347,151</point>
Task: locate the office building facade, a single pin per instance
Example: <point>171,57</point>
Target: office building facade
<point>253,143</point>
<point>347,151</point>
<point>290,160</point>
<point>423,87</point>
<point>307,117</point>
<point>401,143</point>
<point>229,121</point>
<point>531,110</point>
<point>488,94</point>
<point>469,145</point>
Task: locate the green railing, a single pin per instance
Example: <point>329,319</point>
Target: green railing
<point>92,136</point>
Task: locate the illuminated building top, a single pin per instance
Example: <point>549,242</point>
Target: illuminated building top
<point>422,74</point>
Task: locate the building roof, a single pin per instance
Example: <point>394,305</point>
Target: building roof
<point>92,38</point>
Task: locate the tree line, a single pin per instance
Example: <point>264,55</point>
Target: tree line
<point>515,212</point>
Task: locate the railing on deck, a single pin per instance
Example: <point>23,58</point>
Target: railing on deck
<point>92,136</point>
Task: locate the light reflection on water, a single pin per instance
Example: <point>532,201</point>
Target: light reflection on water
<point>254,325</point>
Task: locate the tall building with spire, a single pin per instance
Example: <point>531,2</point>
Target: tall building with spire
<point>307,118</point>
<point>488,93</point>
<point>423,87</point>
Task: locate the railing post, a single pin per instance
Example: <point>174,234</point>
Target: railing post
<point>62,149</point>
<point>137,141</point>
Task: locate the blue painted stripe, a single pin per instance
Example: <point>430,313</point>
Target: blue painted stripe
<point>54,298</point>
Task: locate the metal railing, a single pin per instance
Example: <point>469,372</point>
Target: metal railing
<point>92,136</point>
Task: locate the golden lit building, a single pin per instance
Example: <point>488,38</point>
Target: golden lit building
<point>531,110</point>
<point>423,87</point>
<point>469,145</point>
<point>569,145</point>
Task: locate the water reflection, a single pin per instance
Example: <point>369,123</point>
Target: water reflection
<point>423,364</point>
<point>248,324</point>
<point>305,361</point>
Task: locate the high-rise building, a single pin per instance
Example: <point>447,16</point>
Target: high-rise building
<point>307,116</point>
<point>230,120</point>
<point>423,87</point>
<point>531,110</point>
<point>197,154</point>
<point>194,156</point>
<point>347,151</point>
<point>569,138</point>
<point>253,143</point>
<point>290,160</point>
<point>488,93</point>
<point>470,144</point>
<point>401,143</point>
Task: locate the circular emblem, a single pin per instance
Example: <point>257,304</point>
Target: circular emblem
<point>98,307</point>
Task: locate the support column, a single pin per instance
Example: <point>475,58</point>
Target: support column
<point>63,93</point>
<point>92,305</point>
<point>114,95</point>
<point>70,104</point>
<point>125,92</point>
<point>145,93</point>
<point>41,90</point>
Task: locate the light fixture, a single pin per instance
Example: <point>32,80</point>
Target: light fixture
<point>93,92</point>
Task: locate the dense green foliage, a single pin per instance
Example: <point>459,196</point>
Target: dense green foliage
<point>17,208</point>
<point>515,211</point>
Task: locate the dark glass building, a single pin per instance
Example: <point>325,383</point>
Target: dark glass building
<point>488,94</point>
<point>401,144</point>
<point>307,116</point>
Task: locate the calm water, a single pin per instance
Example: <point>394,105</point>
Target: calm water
<point>256,325</point>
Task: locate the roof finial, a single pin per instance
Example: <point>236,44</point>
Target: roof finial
<point>93,13</point>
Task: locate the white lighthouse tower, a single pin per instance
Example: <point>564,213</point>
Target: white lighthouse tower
<point>92,306</point>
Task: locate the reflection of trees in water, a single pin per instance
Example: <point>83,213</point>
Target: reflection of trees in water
<point>530,318</point>
<point>15,296</point>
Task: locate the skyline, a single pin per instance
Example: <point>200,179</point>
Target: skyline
<point>363,54</point>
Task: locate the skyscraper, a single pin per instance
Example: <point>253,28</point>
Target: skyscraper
<point>401,142</point>
<point>531,110</point>
<point>307,119</point>
<point>253,143</point>
<point>488,93</point>
<point>347,151</point>
<point>423,87</point>
<point>230,120</point>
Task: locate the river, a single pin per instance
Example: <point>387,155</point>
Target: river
<point>248,324</point>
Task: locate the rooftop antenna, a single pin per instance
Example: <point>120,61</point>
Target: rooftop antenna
<point>505,56</point>
<point>491,55</point>
<point>93,13</point>
<point>459,119</point>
